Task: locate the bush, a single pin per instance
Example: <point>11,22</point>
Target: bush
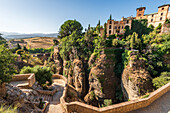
<point>5,109</point>
<point>6,64</point>
<point>107,102</point>
<point>42,74</point>
<point>162,80</point>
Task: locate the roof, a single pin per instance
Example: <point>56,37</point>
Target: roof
<point>141,8</point>
<point>164,5</point>
<point>151,13</point>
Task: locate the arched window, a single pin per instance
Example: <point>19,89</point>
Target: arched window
<point>161,18</point>
<point>110,26</point>
<point>110,22</point>
<point>109,32</point>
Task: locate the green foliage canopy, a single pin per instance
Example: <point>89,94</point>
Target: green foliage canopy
<point>69,27</point>
<point>6,64</point>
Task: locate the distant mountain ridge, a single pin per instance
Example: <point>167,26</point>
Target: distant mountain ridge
<point>13,35</point>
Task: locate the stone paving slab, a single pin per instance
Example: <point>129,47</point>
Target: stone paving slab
<point>161,105</point>
<point>19,83</point>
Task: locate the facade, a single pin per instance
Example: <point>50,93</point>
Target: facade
<point>154,18</point>
<point>114,27</point>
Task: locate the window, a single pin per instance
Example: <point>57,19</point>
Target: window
<point>119,27</point>
<point>152,15</point>
<point>110,26</point>
<point>122,27</point>
<point>117,31</point>
<point>162,8</point>
<point>127,21</point>
<point>151,20</point>
<point>161,18</point>
<point>109,32</point>
<point>115,27</point>
<point>110,22</point>
<point>140,9</point>
<point>161,14</point>
<point>139,14</point>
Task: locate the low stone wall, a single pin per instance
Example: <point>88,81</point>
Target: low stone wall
<point>31,80</point>
<point>20,77</point>
<point>117,108</point>
<point>46,92</point>
<point>58,76</point>
<point>25,77</point>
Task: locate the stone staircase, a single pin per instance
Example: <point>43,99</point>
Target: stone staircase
<point>48,98</point>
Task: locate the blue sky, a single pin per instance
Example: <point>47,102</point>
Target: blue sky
<point>46,16</point>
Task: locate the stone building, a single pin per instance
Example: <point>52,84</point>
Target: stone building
<point>154,18</point>
<point>114,27</point>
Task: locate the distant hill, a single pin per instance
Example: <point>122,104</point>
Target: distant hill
<point>13,35</point>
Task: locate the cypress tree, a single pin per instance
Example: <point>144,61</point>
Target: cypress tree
<point>105,32</point>
<point>110,17</point>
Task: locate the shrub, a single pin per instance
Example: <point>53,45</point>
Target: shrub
<point>42,74</point>
<point>6,64</point>
<point>162,80</point>
<point>107,102</point>
<point>5,109</point>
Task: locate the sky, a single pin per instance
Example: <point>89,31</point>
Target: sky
<point>46,16</point>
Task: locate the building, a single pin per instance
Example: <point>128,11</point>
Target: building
<point>118,27</point>
<point>154,18</point>
<point>114,27</point>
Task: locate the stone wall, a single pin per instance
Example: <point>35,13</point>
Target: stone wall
<point>31,80</point>
<point>25,77</point>
<point>20,77</point>
<point>117,108</point>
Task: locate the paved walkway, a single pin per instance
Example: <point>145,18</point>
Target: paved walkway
<point>19,83</point>
<point>55,106</point>
<point>161,105</point>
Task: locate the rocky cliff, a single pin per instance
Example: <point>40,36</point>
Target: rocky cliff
<point>136,80</point>
<point>102,79</point>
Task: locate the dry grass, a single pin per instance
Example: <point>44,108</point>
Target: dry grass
<point>37,42</point>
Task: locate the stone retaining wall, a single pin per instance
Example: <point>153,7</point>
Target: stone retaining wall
<point>117,108</point>
<point>31,80</point>
<point>20,77</point>
<point>25,77</point>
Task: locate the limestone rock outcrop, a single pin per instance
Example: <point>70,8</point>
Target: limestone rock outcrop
<point>58,61</point>
<point>102,79</point>
<point>136,80</point>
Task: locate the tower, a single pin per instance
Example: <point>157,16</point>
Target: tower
<point>163,12</point>
<point>140,12</point>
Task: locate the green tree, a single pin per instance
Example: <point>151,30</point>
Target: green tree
<point>110,17</point>
<point>3,41</point>
<point>18,46</point>
<point>115,42</point>
<point>25,49</point>
<point>6,64</point>
<point>135,42</point>
<point>98,23</point>
<point>104,36</point>
<point>56,42</point>
<point>69,27</point>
